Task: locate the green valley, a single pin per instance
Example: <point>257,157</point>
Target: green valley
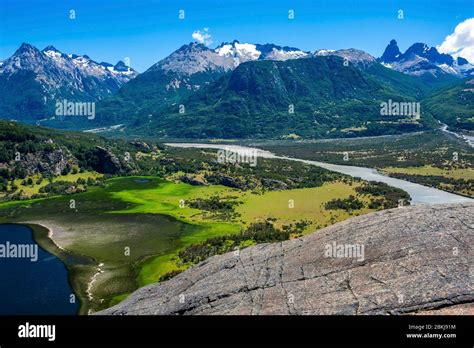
<point>134,227</point>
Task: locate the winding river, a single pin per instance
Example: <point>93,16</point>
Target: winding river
<point>420,194</point>
<point>467,138</point>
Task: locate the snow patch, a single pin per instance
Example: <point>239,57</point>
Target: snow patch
<point>248,51</point>
<point>242,52</point>
<point>53,54</point>
<point>225,50</point>
<point>277,54</point>
<point>324,52</point>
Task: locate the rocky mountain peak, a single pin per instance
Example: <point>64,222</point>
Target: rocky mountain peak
<point>358,57</point>
<point>105,64</point>
<point>26,48</point>
<point>462,61</point>
<point>26,57</point>
<point>53,74</point>
<point>391,53</point>
<point>193,47</point>
<point>196,57</point>
<point>429,53</point>
<point>417,48</point>
<point>420,59</point>
<point>51,48</point>
<point>121,66</point>
<point>193,58</point>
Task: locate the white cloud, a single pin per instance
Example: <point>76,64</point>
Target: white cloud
<point>461,42</point>
<point>203,36</point>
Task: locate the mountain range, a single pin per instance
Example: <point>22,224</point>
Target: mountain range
<point>238,90</point>
<point>32,81</point>
<point>312,97</point>
<point>419,60</point>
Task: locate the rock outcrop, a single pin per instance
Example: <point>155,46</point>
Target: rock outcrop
<point>108,162</point>
<point>52,162</point>
<point>400,261</point>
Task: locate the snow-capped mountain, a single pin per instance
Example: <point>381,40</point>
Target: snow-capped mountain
<point>420,59</point>
<point>195,64</point>
<point>67,74</point>
<point>115,75</point>
<point>195,57</point>
<point>243,52</point>
<point>357,57</point>
<point>185,71</point>
<point>32,81</point>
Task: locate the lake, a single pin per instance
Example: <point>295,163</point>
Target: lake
<point>36,282</point>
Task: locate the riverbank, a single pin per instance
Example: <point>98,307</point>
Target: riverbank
<point>420,194</point>
<point>469,139</point>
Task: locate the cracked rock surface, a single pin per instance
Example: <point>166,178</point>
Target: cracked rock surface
<point>417,258</point>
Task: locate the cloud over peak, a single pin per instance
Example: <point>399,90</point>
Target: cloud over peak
<point>203,36</point>
<point>461,42</point>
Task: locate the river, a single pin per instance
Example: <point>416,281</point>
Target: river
<point>467,138</point>
<point>420,194</point>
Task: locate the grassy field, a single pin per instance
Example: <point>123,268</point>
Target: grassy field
<point>455,173</point>
<point>29,190</point>
<point>431,158</point>
<point>308,203</point>
<point>171,199</point>
<point>135,226</point>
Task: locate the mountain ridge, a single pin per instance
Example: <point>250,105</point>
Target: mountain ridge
<point>419,59</point>
<point>32,81</point>
<point>177,80</point>
<point>308,97</point>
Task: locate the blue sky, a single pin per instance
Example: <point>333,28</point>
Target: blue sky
<point>148,30</point>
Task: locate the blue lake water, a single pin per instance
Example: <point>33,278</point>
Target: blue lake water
<point>32,287</point>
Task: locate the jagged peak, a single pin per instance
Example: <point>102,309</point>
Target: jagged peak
<point>51,48</point>
<point>418,48</point>
<point>462,61</point>
<point>391,52</point>
<point>121,66</point>
<point>25,47</point>
<point>193,46</point>
<point>227,43</point>
<point>105,64</point>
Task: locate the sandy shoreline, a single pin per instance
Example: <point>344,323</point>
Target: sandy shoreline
<point>50,229</point>
<point>51,234</point>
